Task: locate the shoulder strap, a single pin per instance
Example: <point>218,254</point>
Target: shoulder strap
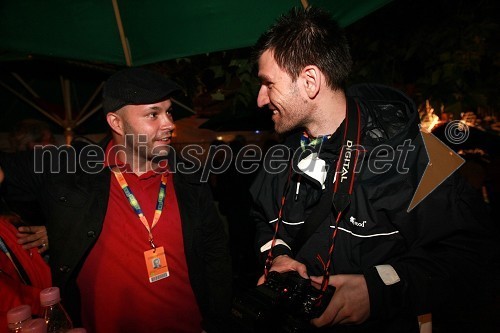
<point>346,165</point>
<point>318,215</point>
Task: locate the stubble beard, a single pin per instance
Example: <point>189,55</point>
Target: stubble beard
<point>297,110</point>
<point>139,146</point>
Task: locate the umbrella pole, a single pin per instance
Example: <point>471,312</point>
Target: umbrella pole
<point>183,106</point>
<point>31,103</point>
<point>25,85</point>
<point>89,102</point>
<point>34,94</point>
<point>123,38</point>
<point>68,121</point>
<point>90,113</point>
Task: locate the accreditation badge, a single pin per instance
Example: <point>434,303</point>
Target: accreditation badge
<point>156,264</point>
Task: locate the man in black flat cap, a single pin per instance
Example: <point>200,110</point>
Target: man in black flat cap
<point>116,208</point>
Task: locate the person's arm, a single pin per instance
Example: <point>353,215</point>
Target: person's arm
<point>284,263</point>
<point>22,173</point>
<point>350,303</point>
<point>15,293</point>
<point>262,195</point>
<point>447,242</point>
<point>281,253</point>
<point>30,237</point>
<point>217,263</point>
<point>33,236</point>
<point>21,280</point>
<point>264,238</point>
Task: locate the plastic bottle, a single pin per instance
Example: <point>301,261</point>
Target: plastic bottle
<point>55,315</point>
<point>17,317</point>
<point>37,325</point>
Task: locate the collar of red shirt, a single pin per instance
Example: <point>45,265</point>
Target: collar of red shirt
<point>111,161</point>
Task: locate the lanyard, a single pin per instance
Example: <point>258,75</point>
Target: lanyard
<point>341,191</point>
<point>135,204</point>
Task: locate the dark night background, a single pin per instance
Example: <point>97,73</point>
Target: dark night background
<point>444,51</point>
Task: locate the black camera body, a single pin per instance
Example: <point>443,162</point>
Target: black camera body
<point>286,302</point>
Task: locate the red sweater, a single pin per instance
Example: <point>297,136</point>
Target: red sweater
<point>12,290</point>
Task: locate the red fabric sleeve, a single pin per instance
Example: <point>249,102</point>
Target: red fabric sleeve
<point>14,292</point>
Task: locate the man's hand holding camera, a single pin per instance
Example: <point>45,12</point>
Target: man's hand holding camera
<point>284,263</point>
<point>350,303</point>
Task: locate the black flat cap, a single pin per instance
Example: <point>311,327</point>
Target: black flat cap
<point>136,86</point>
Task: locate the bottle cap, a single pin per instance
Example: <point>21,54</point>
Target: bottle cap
<point>18,314</point>
<point>37,325</point>
<point>50,296</point>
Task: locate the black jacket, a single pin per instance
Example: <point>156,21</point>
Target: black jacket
<point>73,191</point>
<point>431,247</point>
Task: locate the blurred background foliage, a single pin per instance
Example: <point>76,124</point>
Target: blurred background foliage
<point>444,51</point>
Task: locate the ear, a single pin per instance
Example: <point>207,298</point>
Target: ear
<point>312,80</point>
<point>115,122</point>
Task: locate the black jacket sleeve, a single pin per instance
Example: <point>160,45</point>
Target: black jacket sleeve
<point>264,214</point>
<point>448,245</point>
<point>23,175</point>
<point>217,263</point>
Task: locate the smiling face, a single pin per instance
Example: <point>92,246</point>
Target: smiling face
<point>145,130</point>
<point>282,95</point>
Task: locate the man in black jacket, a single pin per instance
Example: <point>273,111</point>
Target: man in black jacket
<point>137,245</point>
<point>354,165</point>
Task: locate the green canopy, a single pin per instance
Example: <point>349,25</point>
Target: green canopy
<point>104,34</point>
<point>139,32</point>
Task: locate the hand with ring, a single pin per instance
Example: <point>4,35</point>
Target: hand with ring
<point>33,236</point>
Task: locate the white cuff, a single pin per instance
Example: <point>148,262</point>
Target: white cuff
<point>388,274</point>
<point>267,246</point>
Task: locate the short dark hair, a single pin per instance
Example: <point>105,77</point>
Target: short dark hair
<point>308,37</point>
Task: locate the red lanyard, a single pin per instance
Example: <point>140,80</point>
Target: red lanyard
<point>343,190</point>
<point>326,267</point>
<point>269,259</point>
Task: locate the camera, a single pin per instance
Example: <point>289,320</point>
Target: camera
<point>286,302</point>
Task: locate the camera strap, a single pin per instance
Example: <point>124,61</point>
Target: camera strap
<point>343,181</point>
<point>342,189</point>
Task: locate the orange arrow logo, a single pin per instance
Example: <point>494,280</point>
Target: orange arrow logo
<point>443,161</point>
